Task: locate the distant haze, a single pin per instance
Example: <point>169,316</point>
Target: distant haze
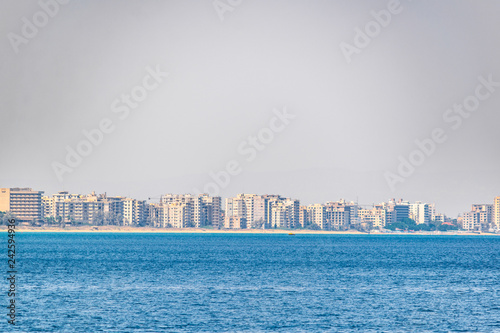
<point>352,120</point>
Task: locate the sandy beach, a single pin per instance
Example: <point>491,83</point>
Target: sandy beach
<point>127,229</point>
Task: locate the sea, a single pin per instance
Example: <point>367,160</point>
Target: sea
<point>160,282</point>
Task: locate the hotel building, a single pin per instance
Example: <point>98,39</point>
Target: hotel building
<point>24,203</point>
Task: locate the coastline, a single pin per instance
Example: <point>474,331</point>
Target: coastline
<point>127,229</point>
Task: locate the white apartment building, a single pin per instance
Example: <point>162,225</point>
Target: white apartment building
<point>420,212</point>
<point>251,207</point>
<point>186,210</point>
<point>316,214</point>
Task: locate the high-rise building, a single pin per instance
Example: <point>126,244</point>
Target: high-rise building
<point>479,218</point>
<point>496,213</point>
<point>178,215</point>
<point>284,213</point>
<point>47,206</point>
<point>338,215</point>
<point>264,210</point>
<point>420,213</point>
<point>134,212</point>
<point>303,216</point>
<point>24,203</point>
<point>401,211</point>
<point>252,207</point>
<point>207,211</point>
<point>470,221</point>
<point>73,208</point>
<point>186,210</point>
<point>372,218</point>
<point>316,215</point>
<point>95,209</point>
<point>485,217</point>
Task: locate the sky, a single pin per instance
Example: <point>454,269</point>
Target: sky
<point>314,100</point>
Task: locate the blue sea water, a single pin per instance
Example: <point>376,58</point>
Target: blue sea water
<point>84,282</point>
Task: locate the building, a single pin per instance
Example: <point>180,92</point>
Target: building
<point>73,208</point>
<point>284,213</point>
<point>401,210</point>
<point>303,216</point>
<point>485,215</point>
<point>186,210</point>
<point>95,209</point>
<point>235,222</point>
<point>372,218</point>
<point>480,218</point>
<point>178,215</point>
<point>316,215</point>
<point>496,213</point>
<point>23,203</point>
<point>470,221</point>
<point>134,212</point>
<point>207,211</point>
<point>439,218</point>
<point>252,207</point>
<point>420,212</point>
<point>47,207</point>
<point>264,210</point>
<point>171,215</point>
<point>155,213</point>
<point>338,215</point>
<point>329,216</point>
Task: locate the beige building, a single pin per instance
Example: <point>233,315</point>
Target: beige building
<point>186,210</point>
<point>303,216</point>
<point>65,207</point>
<point>284,213</point>
<point>178,215</point>
<point>480,218</point>
<point>200,210</point>
<point>235,222</point>
<point>264,210</point>
<point>134,211</point>
<point>316,214</point>
<point>485,217</point>
<point>372,218</point>
<point>24,203</point>
<point>47,206</point>
<point>470,221</point>
<point>496,213</point>
<point>338,215</point>
<point>251,207</point>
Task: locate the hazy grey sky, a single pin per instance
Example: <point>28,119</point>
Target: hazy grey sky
<point>225,77</point>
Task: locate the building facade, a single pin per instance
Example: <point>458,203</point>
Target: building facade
<point>186,210</point>
<point>420,212</point>
<point>496,213</point>
<point>24,203</point>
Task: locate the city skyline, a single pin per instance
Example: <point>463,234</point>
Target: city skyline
<point>245,211</point>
